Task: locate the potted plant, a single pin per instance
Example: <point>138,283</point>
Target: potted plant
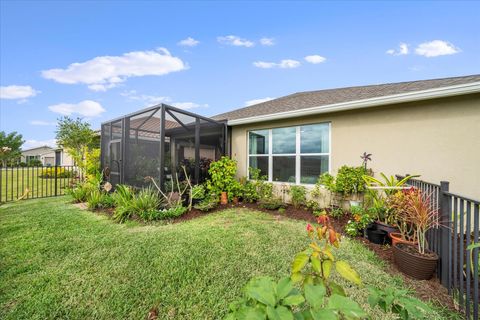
<point>222,178</point>
<point>377,193</point>
<point>399,202</point>
<point>416,260</point>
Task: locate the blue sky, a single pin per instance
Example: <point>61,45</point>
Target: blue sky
<point>101,60</point>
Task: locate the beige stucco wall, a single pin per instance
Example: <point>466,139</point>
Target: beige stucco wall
<point>439,139</point>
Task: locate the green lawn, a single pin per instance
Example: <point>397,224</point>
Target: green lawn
<point>15,181</point>
<point>57,261</point>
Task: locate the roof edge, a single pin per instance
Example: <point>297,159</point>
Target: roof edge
<point>467,88</point>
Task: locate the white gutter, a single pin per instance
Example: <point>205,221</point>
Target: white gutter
<point>450,91</point>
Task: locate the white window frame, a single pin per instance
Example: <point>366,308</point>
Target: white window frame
<point>297,153</point>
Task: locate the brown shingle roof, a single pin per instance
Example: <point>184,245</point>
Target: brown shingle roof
<point>310,99</point>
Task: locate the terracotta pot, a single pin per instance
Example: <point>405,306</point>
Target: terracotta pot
<point>415,265</point>
<point>235,200</point>
<point>223,198</point>
<point>397,238</point>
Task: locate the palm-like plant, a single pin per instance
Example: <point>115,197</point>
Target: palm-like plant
<point>422,213</point>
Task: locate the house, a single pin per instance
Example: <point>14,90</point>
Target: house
<point>427,127</point>
<point>47,155</point>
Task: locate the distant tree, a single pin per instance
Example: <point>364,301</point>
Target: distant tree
<point>76,137</point>
<point>10,146</point>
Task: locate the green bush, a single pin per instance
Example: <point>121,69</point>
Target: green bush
<point>123,199</point>
<point>95,199</point>
<point>349,180</point>
<point>222,176</point>
<point>35,163</point>
<point>298,195</point>
<point>198,192</point>
<point>173,212</point>
<point>271,203</point>
<point>207,204</point>
<point>80,192</point>
<point>145,202</point>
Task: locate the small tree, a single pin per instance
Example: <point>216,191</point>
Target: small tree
<point>10,146</point>
<point>76,137</point>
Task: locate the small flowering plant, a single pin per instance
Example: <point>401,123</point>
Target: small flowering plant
<point>315,264</point>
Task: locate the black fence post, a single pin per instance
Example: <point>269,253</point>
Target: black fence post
<point>55,175</point>
<point>445,234</point>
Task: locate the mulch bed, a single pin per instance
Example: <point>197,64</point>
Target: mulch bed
<point>426,290</point>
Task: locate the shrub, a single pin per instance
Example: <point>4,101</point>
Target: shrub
<point>249,190</point>
<point>336,212</point>
<point>94,199</point>
<point>361,218</point>
<point>123,197</point>
<point>207,204</point>
<point>80,192</point>
<point>349,180</point>
<point>172,212</point>
<point>35,163</point>
<point>281,210</point>
<point>298,195</point>
<point>222,176</point>
<point>144,203</point>
<point>198,192</point>
<point>92,160</point>
<point>271,203</point>
<point>108,201</point>
<point>61,172</point>
<point>399,302</point>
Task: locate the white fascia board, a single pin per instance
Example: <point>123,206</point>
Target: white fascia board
<point>450,91</point>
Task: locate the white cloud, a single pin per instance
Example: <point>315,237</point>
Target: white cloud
<point>87,108</point>
<point>105,72</point>
<point>188,42</point>
<point>150,100</point>
<point>189,105</point>
<point>236,41</point>
<point>32,143</point>
<point>42,123</point>
<point>17,92</point>
<point>257,101</point>
<point>402,50</point>
<point>315,59</point>
<point>436,48</point>
<point>283,64</point>
<point>267,41</point>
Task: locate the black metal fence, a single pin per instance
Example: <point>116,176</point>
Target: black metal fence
<point>36,182</point>
<point>458,228</point>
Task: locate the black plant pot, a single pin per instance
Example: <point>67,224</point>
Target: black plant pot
<point>376,236</point>
<point>387,228</point>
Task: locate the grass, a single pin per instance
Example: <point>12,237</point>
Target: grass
<point>57,261</point>
<point>15,181</point>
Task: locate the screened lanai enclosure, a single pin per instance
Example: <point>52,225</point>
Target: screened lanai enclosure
<point>157,142</point>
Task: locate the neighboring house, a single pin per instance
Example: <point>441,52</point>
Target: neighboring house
<point>47,155</point>
<point>428,127</point>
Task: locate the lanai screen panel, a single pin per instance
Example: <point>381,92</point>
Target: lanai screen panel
<point>142,147</point>
<point>157,142</point>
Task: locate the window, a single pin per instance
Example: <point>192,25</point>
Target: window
<point>292,154</point>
